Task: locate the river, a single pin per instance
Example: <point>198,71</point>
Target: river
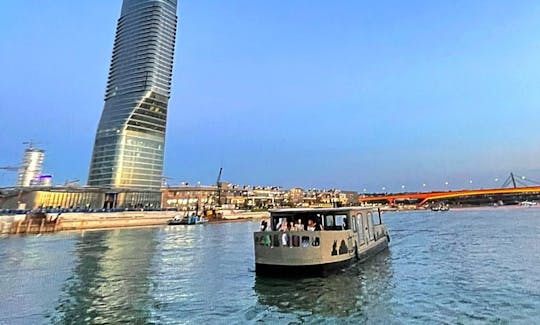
<point>460,266</point>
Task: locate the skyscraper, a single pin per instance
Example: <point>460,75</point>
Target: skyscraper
<point>129,145</point>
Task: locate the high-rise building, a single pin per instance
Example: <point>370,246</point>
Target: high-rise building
<point>30,168</point>
<point>129,145</point>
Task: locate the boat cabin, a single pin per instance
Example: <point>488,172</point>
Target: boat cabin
<point>301,241</point>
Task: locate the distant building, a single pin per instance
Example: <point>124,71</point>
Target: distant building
<point>77,198</point>
<point>129,145</point>
<point>31,166</point>
<point>231,197</point>
<point>189,198</point>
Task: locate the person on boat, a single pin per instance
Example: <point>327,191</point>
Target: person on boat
<point>318,226</point>
<point>266,240</point>
<point>264,224</point>
<point>290,226</point>
<point>310,225</point>
<point>285,239</point>
<point>299,225</point>
<point>345,226</point>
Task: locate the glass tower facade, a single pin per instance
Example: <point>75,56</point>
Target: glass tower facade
<point>129,145</point>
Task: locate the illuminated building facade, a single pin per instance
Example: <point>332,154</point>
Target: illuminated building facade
<point>129,145</point>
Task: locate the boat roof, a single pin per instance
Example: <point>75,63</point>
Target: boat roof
<point>316,210</point>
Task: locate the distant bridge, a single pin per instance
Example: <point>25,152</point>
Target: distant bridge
<point>425,197</point>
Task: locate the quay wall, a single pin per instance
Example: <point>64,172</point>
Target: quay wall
<point>100,220</point>
<point>95,220</point>
<point>6,222</point>
<point>238,214</point>
<point>82,221</point>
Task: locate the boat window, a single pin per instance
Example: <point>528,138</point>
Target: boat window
<point>341,221</point>
<point>291,222</point>
<point>316,242</point>
<point>329,221</point>
<point>287,240</point>
<point>361,235</point>
<point>295,241</point>
<point>305,241</point>
<point>370,219</point>
<point>276,240</point>
<point>370,224</point>
<point>336,222</point>
<point>353,224</point>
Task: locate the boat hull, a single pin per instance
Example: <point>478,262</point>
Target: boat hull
<point>314,270</point>
<point>300,270</point>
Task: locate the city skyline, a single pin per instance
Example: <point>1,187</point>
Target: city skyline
<point>350,96</point>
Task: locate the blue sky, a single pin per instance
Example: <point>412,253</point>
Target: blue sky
<point>347,94</point>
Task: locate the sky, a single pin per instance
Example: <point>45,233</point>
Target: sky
<point>328,94</point>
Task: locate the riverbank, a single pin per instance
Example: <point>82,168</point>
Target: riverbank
<point>74,221</point>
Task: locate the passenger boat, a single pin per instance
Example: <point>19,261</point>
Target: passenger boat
<point>316,241</point>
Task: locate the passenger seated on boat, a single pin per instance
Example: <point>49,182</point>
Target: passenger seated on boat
<point>310,225</point>
<point>264,224</point>
<point>266,240</point>
<point>284,236</point>
<point>299,225</point>
<point>345,225</point>
<point>283,226</point>
<point>290,226</point>
<point>318,226</point>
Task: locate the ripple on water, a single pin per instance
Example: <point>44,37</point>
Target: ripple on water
<point>455,267</point>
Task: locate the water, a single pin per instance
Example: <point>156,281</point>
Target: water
<point>469,266</point>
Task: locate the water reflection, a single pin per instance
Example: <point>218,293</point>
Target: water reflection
<point>109,280</point>
<point>460,267</point>
<point>345,293</point>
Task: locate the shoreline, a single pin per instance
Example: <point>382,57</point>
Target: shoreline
<point>129,219</point>
<point>20,225</point>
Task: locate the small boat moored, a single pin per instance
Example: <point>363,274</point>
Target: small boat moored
<point>187,220</point>
<point>314,241</point>
<point>440,207</point>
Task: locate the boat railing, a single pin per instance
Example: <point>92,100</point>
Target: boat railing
<point>379,231</point>
<point>292,239</point>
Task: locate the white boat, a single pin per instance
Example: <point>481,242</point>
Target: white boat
<point>440,207</point>
<point>316,241</point>
<point>187,220</point>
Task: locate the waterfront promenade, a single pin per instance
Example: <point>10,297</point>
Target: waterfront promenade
<point>73,221</point>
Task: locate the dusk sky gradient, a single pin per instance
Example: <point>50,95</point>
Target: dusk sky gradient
<point>346,94</point>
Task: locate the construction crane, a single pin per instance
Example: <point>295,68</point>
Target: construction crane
<point>218,186</point>
<point>10,168</point>
<point>71,182</point>
<point>165,181</point>
<point>30,144</point>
